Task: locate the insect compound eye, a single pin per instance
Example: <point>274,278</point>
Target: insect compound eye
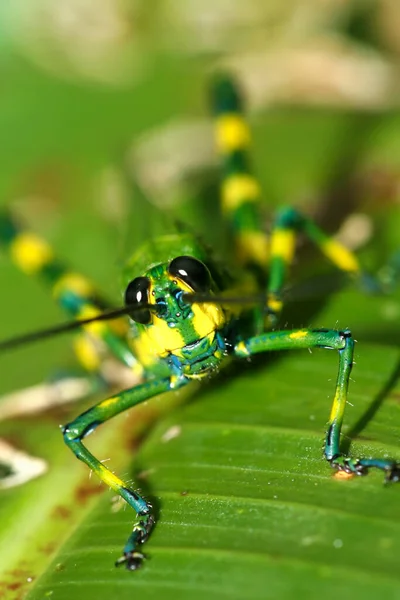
<point>137,293</point>
<point>191,271</point>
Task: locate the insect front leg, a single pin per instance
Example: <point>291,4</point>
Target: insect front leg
<point>343,342</point>
<point>66,387</point>
<point>86,423</point>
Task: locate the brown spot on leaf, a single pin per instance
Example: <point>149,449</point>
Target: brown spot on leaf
<point>14,586</point>
<point>61,512</point>
<point>86,490</point>
<point>48,549</point>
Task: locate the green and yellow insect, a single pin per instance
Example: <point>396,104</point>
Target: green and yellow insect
<point>186,314</point>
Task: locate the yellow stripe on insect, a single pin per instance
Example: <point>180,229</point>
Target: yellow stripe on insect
<point>274,304</point>
<point>241,349</point>
<point>340,256</point>
<point>109,402</point>
<point>86,353</point>
<point>252,246</point>
<point>207,318</point>
<point>87,312</point>
<point>238,189</point>
<point>231,133</point>
<point>145,351</point>
<point>298,335</point>
<point>337,409</point>
<point>283,244</point>
<point>109,478</point>
<point>30,253</point>
<point>75,283</point>
<point>161,338</point>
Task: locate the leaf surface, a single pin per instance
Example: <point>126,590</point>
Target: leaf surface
<point>246,505</point>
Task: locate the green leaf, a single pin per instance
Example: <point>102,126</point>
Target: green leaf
<point>246,505</point>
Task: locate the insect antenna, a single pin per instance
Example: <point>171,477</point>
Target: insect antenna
<point>222,299</point>
<point>318,286</point>
<point>43,334</point>
<point>297,292</point>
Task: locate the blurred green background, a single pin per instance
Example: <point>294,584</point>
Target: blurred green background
<point>93,90</point>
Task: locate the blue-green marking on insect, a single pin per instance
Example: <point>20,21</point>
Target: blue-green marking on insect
<point>184,322</point>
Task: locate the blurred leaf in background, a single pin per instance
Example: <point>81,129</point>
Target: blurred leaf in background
<point>93,90</point>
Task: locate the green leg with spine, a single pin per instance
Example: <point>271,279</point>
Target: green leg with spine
<point>343,342</point>
<point>75,431</point>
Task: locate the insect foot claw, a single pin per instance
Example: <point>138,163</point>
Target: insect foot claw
<point>131,560</point>
<point>351,466</point>
<point>393,474</point>
<point>361,466</point>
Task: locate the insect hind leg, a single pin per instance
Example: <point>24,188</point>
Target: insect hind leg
<point>240,190</point>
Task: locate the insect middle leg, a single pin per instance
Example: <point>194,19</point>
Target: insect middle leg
<point>95,346</point>
<point>343,342</point>
<point>74,292</point>
<point>75,431</point>
<point>288,223</point>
